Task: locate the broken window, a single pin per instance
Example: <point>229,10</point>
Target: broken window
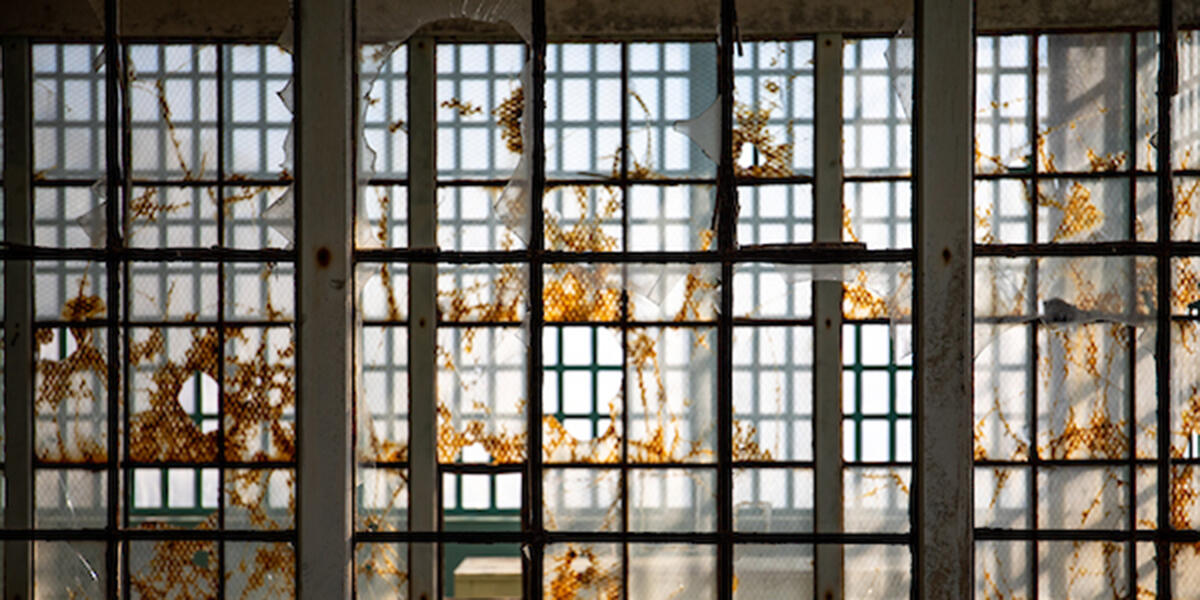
<point>660,393</point>
<point>1067,435</point>
<point>164,389</point>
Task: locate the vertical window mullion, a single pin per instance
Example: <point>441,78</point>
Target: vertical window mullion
<point>422,316</point>
<point>19,392</point>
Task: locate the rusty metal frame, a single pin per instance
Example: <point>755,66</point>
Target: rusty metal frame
<point>18,317</point>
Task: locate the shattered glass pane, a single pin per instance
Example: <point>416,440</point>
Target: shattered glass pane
<point>876,571</point>
<point>876,499</point>
<point>382,412</point>
<point>1083,112</point>
<point>669,83</point>
<point>181,380</point>
<point>260,394</point>
<point>1083,210</point>
<point>1083,497</point>
<point>258,114</point>
<point>382,219</point>
<point>258,217</point>
<point>481,395</point>
<point>1083,396</point>
<point>671,217</point>
<point>71,395</point>
<point>672,381</point>
<point>1002,569</point>
<point>160,217</point>
<point>1185,134</point>
<point>672,571</point>
<point>1064,346</point>
<point>68,111</point>
<point>381,571</point>
<point>876,107</point>
<point>775,214</point>
<point>582,395</point>
<point>878,214</point>
<point>1185,224</point>
<point>383,291</point>
<point>582,499</point>
<point>69,291</point>
<point>1002,497</point>
<point>583,219</point>
<point>1146,115</point>
<point>673,292</point>
<point>773,109</point>
<point>1002,389</point>
<point>260,291</point>
<point>1003,213</point>
<point>773,500</point>
<point>174,291</point>
<point>69,216</point>
<point>764,571</point>
<point>260,570</point>
<point>583,111</point>
<point>772,393</point>
<point>870,290</point>
<point>173,111</point>
<point>1082,570</point>
<point>173,374</point>
<point>381,500</point>
<point>681,500</point>
<point>480,100</point>
<point>70,499</point>
<point>479,218</point>
<point>1003,87</point>
<point>173,569</point>
<point>384,85</point>
<point>69,570</point>
<point>485,293</point>
<point>1084,290</point>
<point>578,571</point>
<point>1092,341</point>
<point>261,499</point>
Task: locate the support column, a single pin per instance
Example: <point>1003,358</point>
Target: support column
<point>18,317</point>
<point>422,302</point>
<point>942,482</point>
<point>325,149</point>
<point>827,318</point>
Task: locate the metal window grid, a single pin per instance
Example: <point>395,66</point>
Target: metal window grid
<point>1164,249</point>
<point>162,145</point>
<point>1028,530</point>
<point>458,261</point>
